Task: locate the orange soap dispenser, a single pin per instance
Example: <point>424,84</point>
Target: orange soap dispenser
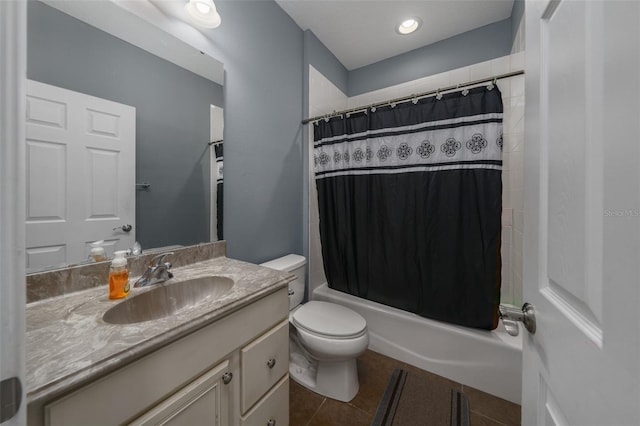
<point>118,276</point>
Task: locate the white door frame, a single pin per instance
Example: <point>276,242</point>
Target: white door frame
<point>13,69</point>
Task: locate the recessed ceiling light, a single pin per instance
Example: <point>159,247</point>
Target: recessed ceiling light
<point>408,26</point>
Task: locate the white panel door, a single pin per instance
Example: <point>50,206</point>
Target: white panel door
<point>582,213</point>
<point>80,161</point>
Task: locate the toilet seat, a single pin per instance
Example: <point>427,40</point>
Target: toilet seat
<point>329,320</point>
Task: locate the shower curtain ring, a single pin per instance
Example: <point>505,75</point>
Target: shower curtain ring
<point>438,94</point>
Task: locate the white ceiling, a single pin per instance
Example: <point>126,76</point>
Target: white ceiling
<point>361,32</point>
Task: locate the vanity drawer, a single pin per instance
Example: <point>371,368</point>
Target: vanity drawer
<point>263,362</point>
<point>273,410</point>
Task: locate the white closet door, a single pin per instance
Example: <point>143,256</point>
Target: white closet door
<point>80,160</point>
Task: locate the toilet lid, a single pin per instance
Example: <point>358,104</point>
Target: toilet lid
<point>329,319</point>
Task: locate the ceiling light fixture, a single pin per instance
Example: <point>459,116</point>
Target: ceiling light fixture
<point>203,13</point>
<point>408,26</point>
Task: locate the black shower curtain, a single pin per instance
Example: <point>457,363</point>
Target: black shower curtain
<point>219,189</point>
<point>410,205</point>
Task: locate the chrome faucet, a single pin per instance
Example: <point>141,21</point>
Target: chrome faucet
<point>157,272</point>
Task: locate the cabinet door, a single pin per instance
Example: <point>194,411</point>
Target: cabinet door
<point>205,401</point>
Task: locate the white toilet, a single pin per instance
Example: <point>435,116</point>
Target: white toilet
<point>325,338</point>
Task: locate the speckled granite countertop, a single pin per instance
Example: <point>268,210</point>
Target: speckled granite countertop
<point>68,344</point>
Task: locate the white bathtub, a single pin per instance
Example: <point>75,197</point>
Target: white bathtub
<point>487,360</point>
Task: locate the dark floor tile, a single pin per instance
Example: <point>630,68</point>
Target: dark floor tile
<point>303,404</point>
<point>336,413</point>
<point>501,410</point>
<point>480,420</point>
<point>374,370</point>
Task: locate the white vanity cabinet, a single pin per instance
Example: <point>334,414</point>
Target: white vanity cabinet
<point>231,372</point>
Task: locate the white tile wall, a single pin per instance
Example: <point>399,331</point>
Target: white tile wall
<point>324,98</point>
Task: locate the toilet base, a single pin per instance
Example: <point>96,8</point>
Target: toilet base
<point>334,379</point>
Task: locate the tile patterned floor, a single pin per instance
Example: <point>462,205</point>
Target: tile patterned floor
<point>309,409</point>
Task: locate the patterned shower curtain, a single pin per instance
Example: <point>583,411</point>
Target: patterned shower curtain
<point>220,188</point>
<point>410,205</point>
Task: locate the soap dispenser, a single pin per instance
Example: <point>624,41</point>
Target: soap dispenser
<point>97,251</point>
<point>119,276</point>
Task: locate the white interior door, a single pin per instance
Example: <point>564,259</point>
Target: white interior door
<point>80,160</point>
<point>582,220</point>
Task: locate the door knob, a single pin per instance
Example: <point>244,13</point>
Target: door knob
<point>125,228</point>
<point>511,316</point>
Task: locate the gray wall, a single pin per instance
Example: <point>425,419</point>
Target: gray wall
<point>172,117</point>
<point>262,51</point>
<point>323,60</point>
<point>517,13</point>
<point>482,44</point>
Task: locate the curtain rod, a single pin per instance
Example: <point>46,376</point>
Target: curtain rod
<point>413,96</point>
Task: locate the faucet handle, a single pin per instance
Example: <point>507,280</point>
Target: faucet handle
<point>157,260</point>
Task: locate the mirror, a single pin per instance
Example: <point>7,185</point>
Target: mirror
<point>173,97</point>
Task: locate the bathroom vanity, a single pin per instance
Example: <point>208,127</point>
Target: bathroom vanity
<point>223,361</point>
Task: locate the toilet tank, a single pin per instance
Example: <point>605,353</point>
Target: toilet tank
<point>294,264</point>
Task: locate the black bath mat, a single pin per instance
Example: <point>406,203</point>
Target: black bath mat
<point>411,399</point>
